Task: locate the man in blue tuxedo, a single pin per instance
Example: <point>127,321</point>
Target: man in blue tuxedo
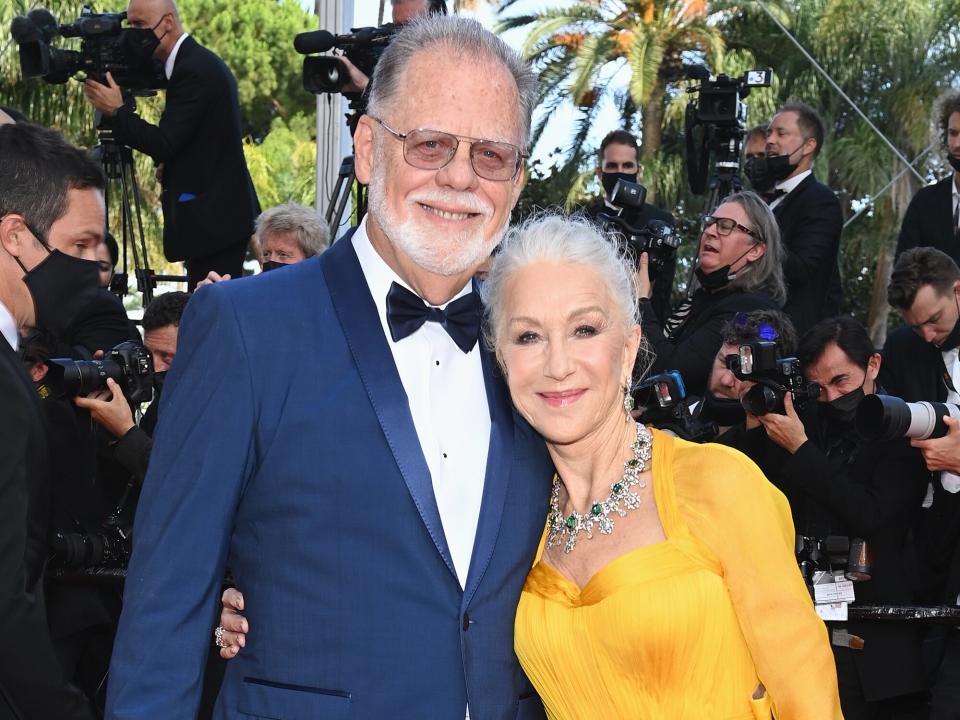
<point>335,434</point>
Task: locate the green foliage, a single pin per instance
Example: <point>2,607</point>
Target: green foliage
<point>282,166</point>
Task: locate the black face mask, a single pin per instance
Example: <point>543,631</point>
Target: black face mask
<point>779,167</point>
<point>725,412</point>
<point>609,180</point>
<point>843,409</point>
<point>139,44</point>
<point>272,265</point>
<point>61,286</point>
<point>954,162</point>
<point>720,277</point>
<point>757,170</point>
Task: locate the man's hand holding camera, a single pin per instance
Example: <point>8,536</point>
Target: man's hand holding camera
<point>942,453</point>
<point>642,277</point>
<point>105,98</point>
<point>785,430</point>
<point>109,408</point>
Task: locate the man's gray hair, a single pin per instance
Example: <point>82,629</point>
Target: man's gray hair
<point>303,223</point>
<point>459,37</point>
<point>765,274</point>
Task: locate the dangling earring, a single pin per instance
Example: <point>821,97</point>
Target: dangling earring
<point>628,403</point>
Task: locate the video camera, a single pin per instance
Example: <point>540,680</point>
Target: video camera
<point>715,121</point>
<point>884,417</point>
<point>129,364</point>
<point>105,47</point>
<point>657,238</point>
<point>775,376</point>
<point>362,47</point>
<point>662,397</point>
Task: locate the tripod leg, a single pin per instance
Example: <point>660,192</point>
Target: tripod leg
<point>135,191</point>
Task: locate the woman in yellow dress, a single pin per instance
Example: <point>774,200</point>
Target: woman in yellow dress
<point>665,587</point>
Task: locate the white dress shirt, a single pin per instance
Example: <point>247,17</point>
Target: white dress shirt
<point>8,327</point>
<point>448,402</point>
<point>788,186</point>
<point>172,57</point>
<point>956,204</point>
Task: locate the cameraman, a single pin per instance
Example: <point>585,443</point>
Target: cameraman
<point>51,196</point>
<point>208,199</point>
<point>738,270</point>
<point>841,485</point>
<point>620,160</point>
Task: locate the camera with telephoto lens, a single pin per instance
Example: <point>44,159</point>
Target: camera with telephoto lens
<point>107,550</point>
<point>662,398</point>
<point>362,47</point>
<point>129,364</point>
<point>775,376</point>
<point>657,238</point>
<point>715,120</point>
<point>105,47</point>
<point>884,417</point>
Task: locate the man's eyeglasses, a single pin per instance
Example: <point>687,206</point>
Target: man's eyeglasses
<point>433,149</point>
<point>725,226</point>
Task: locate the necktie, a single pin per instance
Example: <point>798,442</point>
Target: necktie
<point>771,196</point>
<point>407,312</point>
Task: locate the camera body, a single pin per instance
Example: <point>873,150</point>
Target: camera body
<point>362,47</point>
<point>657,238</point>
<point>662,396</point>
<point>775,376</point>
<point>105,47</point>
<point>129,364</point>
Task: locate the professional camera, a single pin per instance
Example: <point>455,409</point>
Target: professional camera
<point>104,47</point>
<point>362,46</point>
<point>130,365</point>
<point>662,397</point>
<point>107,549</point>
<point>657,238</point>
<point>715,121</point>
<point>775,376</point>
<point>883,417</point>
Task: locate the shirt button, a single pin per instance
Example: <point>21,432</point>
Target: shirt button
<point>466,621</point>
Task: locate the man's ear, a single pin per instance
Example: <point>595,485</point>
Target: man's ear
<point>363,149</point>
<point>639,171</point>
<point>14,234</point>
<point>756,252</point>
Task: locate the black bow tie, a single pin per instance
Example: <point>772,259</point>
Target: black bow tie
<point>773,195</point>
<point>406,313</point>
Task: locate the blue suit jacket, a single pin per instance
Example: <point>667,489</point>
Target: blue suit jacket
<point>286,451</point>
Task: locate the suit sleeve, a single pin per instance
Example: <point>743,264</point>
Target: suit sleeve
<point>203,454</point>
<point>746,523</point>
<point>183,115</point>
<point>814,241</point>
<point>909,231</point>
<point>31,681</point>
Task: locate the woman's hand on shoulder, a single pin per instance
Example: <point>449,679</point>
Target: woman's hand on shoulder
<point>234,624</point>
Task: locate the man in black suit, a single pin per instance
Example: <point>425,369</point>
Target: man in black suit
<point>933,215</point>
<point>620,159</point>
<point>209,203</point>
<point>809,216</point>
<point>51,199</point>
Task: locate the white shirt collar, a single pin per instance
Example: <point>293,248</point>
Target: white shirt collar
<point>791,183</point>
<point>8,327</point>
<point>172,57</point>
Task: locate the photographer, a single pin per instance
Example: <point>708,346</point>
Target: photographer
<point>208,199</point>
<point>60,205</point>
<point>841,485</point>
<point>738,270</point>
<point>755,166</point>
<point>620,160</point>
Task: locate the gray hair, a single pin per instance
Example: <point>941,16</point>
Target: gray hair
<point>550,237</point>
<point>765,274</point>
<point>290,218</point>
<point>459,37</point>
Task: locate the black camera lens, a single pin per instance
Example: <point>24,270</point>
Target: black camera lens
<point>762,399</point>
<point>884,417</point>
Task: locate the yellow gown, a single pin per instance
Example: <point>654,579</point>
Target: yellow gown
<point>686,628</point>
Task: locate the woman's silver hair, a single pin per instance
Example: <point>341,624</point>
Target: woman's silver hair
<point>457,37</point>
<point>765,274</point>
<point>554,238</point>
<point>303,223</point>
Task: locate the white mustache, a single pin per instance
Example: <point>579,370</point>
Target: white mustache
<point>454,201</point>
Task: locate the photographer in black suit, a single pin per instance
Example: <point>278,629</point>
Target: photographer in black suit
<point>808,214</point>
<point>933,216</point>
<point>51,200</point>
<point>209,203</point>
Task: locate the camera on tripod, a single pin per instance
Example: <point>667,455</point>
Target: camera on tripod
<point>362,47</point>
<point>775,376</point>
<point>105,47</point>
<point>662,398</point>
<point>657,238</point>
<point>129,364</point>
<point>715,122</point>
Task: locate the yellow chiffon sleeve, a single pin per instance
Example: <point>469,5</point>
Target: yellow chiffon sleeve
<point>734,511</point>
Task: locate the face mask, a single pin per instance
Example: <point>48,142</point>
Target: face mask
<point>609,180</point>
<point>757,170</point>
<point>140,44</point>
<point>725,412</point>
<point>61,286</point>
<point>953,339</point>
<point>272,265</point>
<point>843,409</point>
<point>954,162</point>
<point>720,277</point>
<point>779,167</point>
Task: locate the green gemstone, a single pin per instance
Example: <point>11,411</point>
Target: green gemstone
<point>617,487</point>
<point>596,509</point>
<point>632,463</point>
<point>571,521</point>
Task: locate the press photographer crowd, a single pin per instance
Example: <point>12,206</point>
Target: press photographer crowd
<point>340,503</point>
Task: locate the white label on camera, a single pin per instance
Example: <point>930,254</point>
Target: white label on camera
<point>832,611</point>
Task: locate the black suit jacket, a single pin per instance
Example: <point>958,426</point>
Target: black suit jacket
<point>912,369</point>
<point>810,223</point>
<point>31,682</point>
<point>928,221</point>
<point>208,198</point>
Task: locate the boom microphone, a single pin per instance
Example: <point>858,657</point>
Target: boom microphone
<point>315,41</point>
<point>24,30</point>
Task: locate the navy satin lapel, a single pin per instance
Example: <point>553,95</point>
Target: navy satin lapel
<point>497,479</point>
<point>378,372</point>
